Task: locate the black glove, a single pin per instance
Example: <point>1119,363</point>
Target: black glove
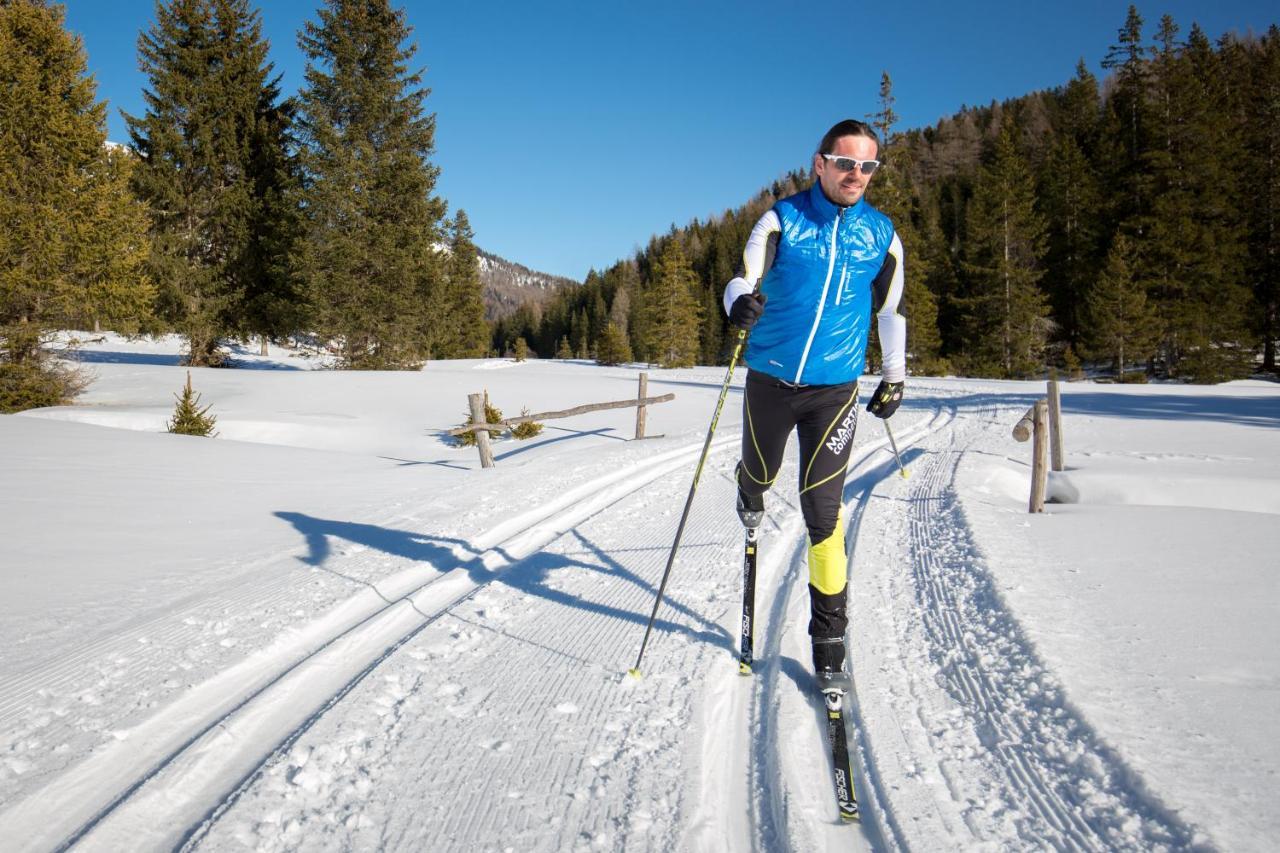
<point>886,399</point>
<point>746,310</point>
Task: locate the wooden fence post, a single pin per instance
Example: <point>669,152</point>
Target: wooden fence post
<point>644,392</point>
<point>1055,422</point>
<point>482,436</point>
<point>1039,456</point>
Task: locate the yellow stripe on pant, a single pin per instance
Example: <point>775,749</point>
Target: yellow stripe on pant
<point>828,566</point>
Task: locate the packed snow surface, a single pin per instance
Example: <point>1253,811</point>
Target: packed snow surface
<point>327,628</point>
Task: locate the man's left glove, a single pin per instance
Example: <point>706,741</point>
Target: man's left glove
<point>746,310</point>
<point>886,399</point>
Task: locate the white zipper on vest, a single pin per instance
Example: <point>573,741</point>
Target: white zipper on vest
<point>822,300</point>
<point>844,276</point>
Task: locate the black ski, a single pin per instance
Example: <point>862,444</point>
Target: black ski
<point>834,689</point>
<point>748,600</point>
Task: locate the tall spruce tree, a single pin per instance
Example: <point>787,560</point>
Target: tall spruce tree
<point>1263,135</point>
<point>1071,198</point>
<point>459,325</point>
<point>214,172</point>
<point>1121,323</point>
<point>370,222</point>
<point>1194,237</point>
<point>671,309</point>
<point>1006,313</point>
<point>73,242</point>
<point>1127,118</point>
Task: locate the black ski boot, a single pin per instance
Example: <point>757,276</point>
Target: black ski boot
<point>750,507</point>
<point>828,664</point>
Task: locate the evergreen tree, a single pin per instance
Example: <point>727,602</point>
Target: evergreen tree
<point>613,347</point>
<point>214,172</point>
<point>1071,199</point>
<point>1121,323</point>
<point>563,350</point>
<point>73,242</point>
<point>1006,313</point>
<point>1263,137</point>
<point>459,324</point>
<point>1127,117</point>
<point>1194,247</point>
<point>188,417</point>
<point>370,222</point>
<point>672,312</point>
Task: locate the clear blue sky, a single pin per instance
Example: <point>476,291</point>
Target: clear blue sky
<point>572,131</point>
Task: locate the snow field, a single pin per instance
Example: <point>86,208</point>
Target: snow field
<point>222,645</point>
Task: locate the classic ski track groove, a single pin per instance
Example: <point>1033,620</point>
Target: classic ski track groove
<point>1089,802</point>
<point>493,550</point>
<point>544,665</point>
<point>770,764</point>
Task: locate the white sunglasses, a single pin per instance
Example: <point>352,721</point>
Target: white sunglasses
<point>848,164</point>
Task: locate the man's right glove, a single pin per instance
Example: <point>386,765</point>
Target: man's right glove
<point>886,399</point>
<point>746,310</point>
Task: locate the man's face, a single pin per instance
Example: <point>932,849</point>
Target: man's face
<point>845,188</point>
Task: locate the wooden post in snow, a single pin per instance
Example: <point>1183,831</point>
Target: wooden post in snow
<point>644,392</point>
<point>1055,422</point>
<point>476,402</point>
<point>1039,456</point>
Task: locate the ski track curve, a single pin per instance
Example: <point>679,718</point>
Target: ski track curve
<point>1021,765</point>
<point>185,732</point>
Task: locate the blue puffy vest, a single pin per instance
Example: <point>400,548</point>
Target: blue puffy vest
<point>815,324</point>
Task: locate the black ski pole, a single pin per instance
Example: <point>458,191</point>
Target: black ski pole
<point>693,487</point>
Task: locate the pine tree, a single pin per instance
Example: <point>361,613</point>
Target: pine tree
<point>1193,247</point>
<point>613,347</point>
<point>214,173</point>
<point>672,313</point>
<point>459,326</point>
<point>1263,139</point>
<point>370,222</point>
<point>1121,323</point>
<point>563,350</point>
<point>1071,199</point>
<point>72,243</point>
<point>1006,313</point>
<point>188,417</point>
<point>1127,114</point>
<point>521,349</point>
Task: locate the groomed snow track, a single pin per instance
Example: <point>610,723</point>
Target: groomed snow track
<point>160,787</point>
<point>501,710</point>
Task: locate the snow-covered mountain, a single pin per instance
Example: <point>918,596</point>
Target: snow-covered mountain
<point>508,284</point>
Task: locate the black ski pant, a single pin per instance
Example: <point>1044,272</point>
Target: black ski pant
<point>824,418</point>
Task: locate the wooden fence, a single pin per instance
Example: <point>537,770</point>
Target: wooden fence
<point>481,429</point>
<point>1043,423</point>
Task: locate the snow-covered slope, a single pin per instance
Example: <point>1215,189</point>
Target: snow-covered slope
<point>327,628</point>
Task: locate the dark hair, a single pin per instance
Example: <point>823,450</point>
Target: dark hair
<point>848,127</point>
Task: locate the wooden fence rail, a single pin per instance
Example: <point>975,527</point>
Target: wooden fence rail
<point>481,429</point>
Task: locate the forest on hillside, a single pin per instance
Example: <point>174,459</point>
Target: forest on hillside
<point>1129,223</point>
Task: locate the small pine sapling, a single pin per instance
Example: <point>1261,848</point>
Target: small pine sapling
<point>188,417</point>
<point>528,429</point>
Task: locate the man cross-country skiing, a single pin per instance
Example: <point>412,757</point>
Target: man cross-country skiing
<point>825,261</point>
